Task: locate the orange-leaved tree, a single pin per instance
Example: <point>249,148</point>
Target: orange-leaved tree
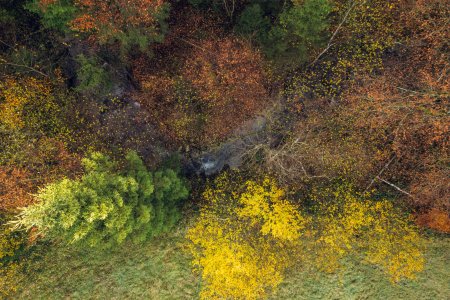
<point>220,85</point>
<point>135,22</point>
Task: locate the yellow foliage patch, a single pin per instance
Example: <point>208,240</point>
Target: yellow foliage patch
<point>348,223</point>
<point>14,95</point>
<point>248,234</point>
<point>241,241</point>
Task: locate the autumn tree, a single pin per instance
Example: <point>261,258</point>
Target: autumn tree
<point>16,95</point>
<point>34,133</point>
<point>218,75</point>
<point>414,132</point>
<point>242,240</point>
<point>22,172</point>
<point>130,23</point>
<point>346,222</point>
<point>374,138</point>
<point>227,73</point>
<point>105,207</point>
<point>374,101</point>
<point>248,234</point>
<point>358,34</point>
<point>404,110</point>
<point>34,105</point>
<point>15,188</point>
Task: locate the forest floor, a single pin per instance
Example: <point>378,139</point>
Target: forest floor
<point>160,269</point>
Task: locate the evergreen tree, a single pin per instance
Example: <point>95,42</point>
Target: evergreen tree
<point>253,24</point>
<point>105,206</point>
<point>301,28</point>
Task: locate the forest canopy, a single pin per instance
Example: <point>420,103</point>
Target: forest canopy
<point>254,148</point>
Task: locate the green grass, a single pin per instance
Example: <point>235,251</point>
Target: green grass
<point>362,281</point>
<point>157,269</point>
<point>160,270</point>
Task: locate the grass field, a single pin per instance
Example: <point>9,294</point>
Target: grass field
<point>160,270</point>
<point>362,281</point>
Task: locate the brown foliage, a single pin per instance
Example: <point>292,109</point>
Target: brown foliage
<point>411,124</point>
<point>404,111</point>
<point>15,188</point>
<point>197,89</point>
<point>434,219</point>
<point>425,23</point>
<point>115,14</point>
<point>47,161</point>
<point>228,76</point>
<point>390,130</point>
<point>226,71</point>
<point>432,189</point>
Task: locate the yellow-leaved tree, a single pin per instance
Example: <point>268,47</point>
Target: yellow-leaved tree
<point>243,240</point>
<point>348,223</point>
<point>248,234</point>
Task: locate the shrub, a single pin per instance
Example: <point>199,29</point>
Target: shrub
<point>10,245</point>
<point>92,77</point>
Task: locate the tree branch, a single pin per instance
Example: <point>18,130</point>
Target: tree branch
<point>24,66</point>
<point>334,35</point>
<point>381,172</point>
<point>394,186</point>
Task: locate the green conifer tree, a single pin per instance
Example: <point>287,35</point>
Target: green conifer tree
<point>105,207</point>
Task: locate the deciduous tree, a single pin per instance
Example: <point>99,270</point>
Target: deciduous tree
<point>242,238</point>
<point>248,234</point>
<point>136,22</point>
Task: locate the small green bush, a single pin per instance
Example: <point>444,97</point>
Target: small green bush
<point>92,76</point>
